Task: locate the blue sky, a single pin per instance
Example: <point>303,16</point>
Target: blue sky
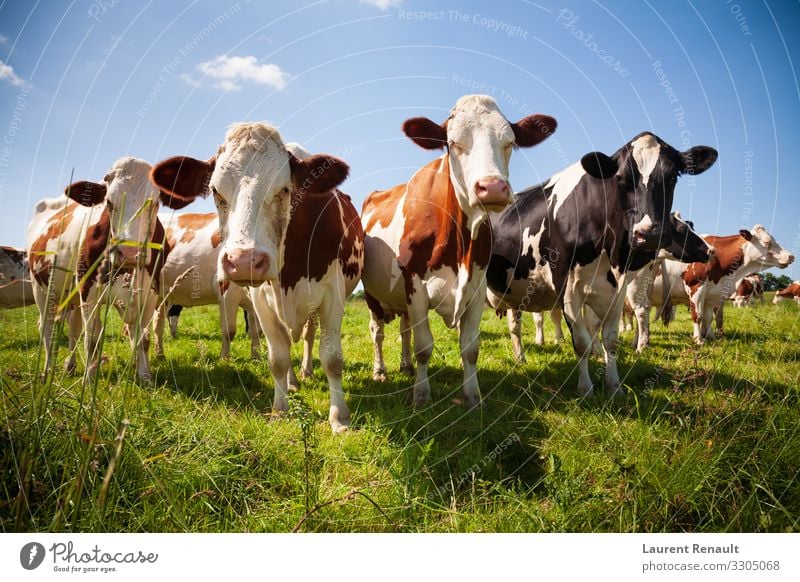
<point>86,82</point>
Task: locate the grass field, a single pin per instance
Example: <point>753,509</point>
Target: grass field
<point>706,438</point>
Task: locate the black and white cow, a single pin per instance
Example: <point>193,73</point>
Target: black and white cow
<point>571,241</point>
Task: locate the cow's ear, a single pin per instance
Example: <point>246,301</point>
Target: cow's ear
<point>317,174</point>
<point>698,159</point>
<point>533,129</point>
<point>182,179</point>
<point>598,165</point>
<point>86,193</point>
<point>746,234</point>
<point>426,133</point>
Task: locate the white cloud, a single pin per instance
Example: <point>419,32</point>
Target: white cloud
<point>7,74</point>
<point>189,80</point>
<point>383,4</point>
<point>4,39</point>
<point>230,71</point>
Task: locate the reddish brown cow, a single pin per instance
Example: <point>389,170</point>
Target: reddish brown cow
<point>790,292</point>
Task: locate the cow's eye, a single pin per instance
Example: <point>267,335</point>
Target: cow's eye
<point>285,190</point>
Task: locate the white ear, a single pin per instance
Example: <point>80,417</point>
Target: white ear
<point>678,215</point>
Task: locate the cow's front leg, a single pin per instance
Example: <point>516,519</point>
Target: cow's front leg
<point>330,356</point>
<point>139,318</point>
<point>279,346</point>
<point>719,317</point>
<point>228,307</point>
<point>406,363</point>
<point>469,343</point>
<point>581,343</point>
<point>253,330</point>
<point>92,315</point>
<point>423,346</point>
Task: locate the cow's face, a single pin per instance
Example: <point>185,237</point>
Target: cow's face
<point>479,141</point>
<point>255,182</point>
<point>648,171</point>
<point>685,244</point>
<point>13,265</point>
<point>763,249</point>
<point>132,205</point>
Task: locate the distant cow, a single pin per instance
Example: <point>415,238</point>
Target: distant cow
<point>288,234</point>
<point>16,289</point>
<point>748,290</point>
<point>572,241</point>
<point>428,240</point>
<point>189,277</point>
<point>790,292</point>
<point>686,246</point>
<point>704,287</point>
<point>102,242</point>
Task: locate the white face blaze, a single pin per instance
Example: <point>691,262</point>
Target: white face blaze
<point>132,201</point>
<point>252,189</point>
<point>480,141</point>
<point>646,151</point>
<point>765,250</point>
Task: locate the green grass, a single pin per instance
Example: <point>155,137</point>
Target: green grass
<point>706,438</point>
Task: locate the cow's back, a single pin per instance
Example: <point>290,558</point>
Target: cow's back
<point>189,274</point>
<point>56,236</point>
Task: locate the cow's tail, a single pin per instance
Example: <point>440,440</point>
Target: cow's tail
<point>666,298</point>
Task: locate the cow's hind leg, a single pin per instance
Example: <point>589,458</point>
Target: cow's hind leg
<point>514,320</point>
<point>228,308</point>
<point>74,324</point>
<point>538,323</point>
<point>376,326</point>
<point>581,343</point>
<point>423,346</point>
<point>406,363</point>
<point>309,331</point>
<point>555,317</point>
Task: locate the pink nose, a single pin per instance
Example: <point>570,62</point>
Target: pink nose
<point>245,266</point>
<point>493,192</point>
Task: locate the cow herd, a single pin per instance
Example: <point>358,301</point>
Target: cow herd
<point>597,242</point>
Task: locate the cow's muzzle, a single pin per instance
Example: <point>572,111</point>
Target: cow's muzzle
<point>493,193</point>
<point>247,267</point>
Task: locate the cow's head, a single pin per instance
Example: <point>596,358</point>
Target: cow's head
<point>762,249</point>
<point>132,205</point>
<point>479,141</point>
<point>685,244</point>
<point>648,169</point>
<point>255,181</point>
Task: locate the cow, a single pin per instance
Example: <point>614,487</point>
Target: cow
<point>100,243</point>
<point>189,278</point>
<point>749,290</point>
<point>428,240</point>
<point>790,292</point>
<point>687,246</point>
<point>288,235</point>
<point>571,241</point>
<point>704,287</point>
<point>16,289</point>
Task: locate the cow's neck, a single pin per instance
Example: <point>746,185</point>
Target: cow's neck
<point>730,260</point>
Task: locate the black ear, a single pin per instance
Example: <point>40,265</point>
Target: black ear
<point>533,129</point>
<point>317,174</point>
<point>698,159</point>
<point>598,165</point>
<point>182,179</point>
<point>86,193</point>
<point>426,133</point>
<point>746,234</point>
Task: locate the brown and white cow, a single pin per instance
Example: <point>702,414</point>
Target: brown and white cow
<point>288,234</point>
<point>189,277</point>
<point>749,290</point>
<point>428,240</point>
<point>102,242</point>
<point>706,286</point>
<point>16,289</point>
<point>788,293</point>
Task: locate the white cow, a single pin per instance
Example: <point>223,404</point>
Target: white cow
<point>16,289</point>
<point>286,233</point>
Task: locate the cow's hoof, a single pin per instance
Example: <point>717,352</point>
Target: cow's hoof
<point>275,415</point>
<point>408,369</point>
<point>586,391</point>
<point>305,374</point>
<point>339,422</point>
<point>293,386</point>
<point>520,359</point>
<point>379,375</point>
<point>69,367</point>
